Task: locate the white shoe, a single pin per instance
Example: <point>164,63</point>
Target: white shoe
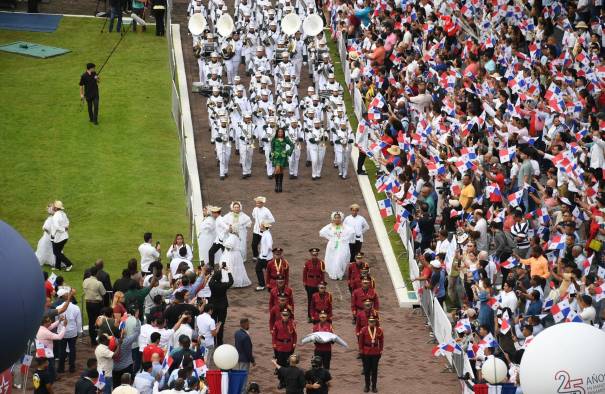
<point>68,268</point>
<point>260,288</point>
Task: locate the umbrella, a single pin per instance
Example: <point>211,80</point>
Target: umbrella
<point>324,337</point>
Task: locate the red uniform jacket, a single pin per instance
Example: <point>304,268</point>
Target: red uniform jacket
<point>356,283</point>
<point>276,268</point>
<point>360,295</point>
<point>275,314</point>
<point>369,346</point>
<point>327,327</point>
<point>362,319</point>
<point>321,302</point>
<point>313,272</point>
<point>284,336</point>
<point>353,274</point>
<point>273,296</point>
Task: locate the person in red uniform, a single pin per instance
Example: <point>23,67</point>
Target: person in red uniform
<point>323,350</point>
<point>321,301</point>
<point>354,271</point>
<point>281,288</point>
<point>371,343</point>
<point>275,312</point>
<point>313,274</point>
<point>364,272</point>
<point>278,266</point>
<point>362,316</point>
<point>365,292</point>
<point>283,338</point>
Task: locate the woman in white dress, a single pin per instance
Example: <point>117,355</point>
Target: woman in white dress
<point>44,251</point>
<point>240,223</point>
<point>337,252</point>
<point>234,262</point>
<point>174,249</point>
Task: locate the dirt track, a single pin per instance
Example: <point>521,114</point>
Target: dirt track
<point>407,365</point>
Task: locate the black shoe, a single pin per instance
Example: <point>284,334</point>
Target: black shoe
<point>354,320</point>
<point>270,176</point>
<point>95,123</point>
<point>362,172</point>
<point>313,178</point>
<point>344,178</point>
<point>374,390</point>
<point>366,389</point>
<point>222,178</point>
<point>244,177</point>
<point>280,386</point>
<point>237,153</point>
<point>291,176</point>
<point>308,164</point>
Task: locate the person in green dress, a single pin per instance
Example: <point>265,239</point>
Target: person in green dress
<point>281,149</point>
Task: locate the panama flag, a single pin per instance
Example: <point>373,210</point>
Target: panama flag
<point>507,154</point>
<point>515,198</point>
<point>26,362</point>
<point>504,325</point>
<point>167,363</point>
<point>463,325</point>
<point>471,350</point>
<point>123,321</point>
<point>560,311</point>
<point>200,367</point>
<point>221,382</point>
<point>385,208</point>
<point>100,383</point>
<point>573,317</point>
<point>449,347</point>
<point>509,263</point>
<point>600,292</point>
<point>548,304</point>
<point>43,351</point>
<point>488,341</point>
<point>52,278</point>
<point>557,242</point>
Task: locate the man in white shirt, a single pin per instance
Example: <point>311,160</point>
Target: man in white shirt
<point>176,262</point>
<point>509,298</point>
<point>59,236</point>
<point>260,214</point>
<point>143,381</point>
<point>73,329</point>
<point>207,329</point>
<point>264,255</point>
<point>480,231</point>
<point>359,224</point>
<point>148,252</point>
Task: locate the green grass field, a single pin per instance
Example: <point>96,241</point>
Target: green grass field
<point>398,248</point>
<point>117,180</point>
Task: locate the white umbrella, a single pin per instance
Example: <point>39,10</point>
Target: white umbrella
<point>323,337</point>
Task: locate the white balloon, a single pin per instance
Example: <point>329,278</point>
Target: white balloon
<point>494,370</point>
<point>565,358</point>
<point>226,357</point>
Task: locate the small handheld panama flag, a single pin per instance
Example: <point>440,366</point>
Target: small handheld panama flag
<point>52,278</point>
<point>385,208</point>
<point>449,347</point>
<point>507,154</point>
<point>509,263</point>
<point>560,311</point>
<point>100,383</point>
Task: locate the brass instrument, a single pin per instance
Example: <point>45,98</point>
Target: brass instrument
<point>228,52</point>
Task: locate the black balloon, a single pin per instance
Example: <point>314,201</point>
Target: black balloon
<point>22,295</point>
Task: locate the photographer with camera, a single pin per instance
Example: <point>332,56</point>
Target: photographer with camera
<point>220,282</point>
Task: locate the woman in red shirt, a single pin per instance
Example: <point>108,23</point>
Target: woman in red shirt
<point>119,309</point>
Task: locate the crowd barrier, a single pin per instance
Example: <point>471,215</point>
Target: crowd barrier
<point>181,113</point>
<point>436,316</point>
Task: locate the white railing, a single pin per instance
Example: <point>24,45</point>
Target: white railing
<point>437,317</point>
<point>181,112</point>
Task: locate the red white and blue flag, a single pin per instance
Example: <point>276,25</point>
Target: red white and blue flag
<point>507,154</point>
<point>222,382</point>
<point>449,347</point>
<point>385,207</point>
<point>560,311</point>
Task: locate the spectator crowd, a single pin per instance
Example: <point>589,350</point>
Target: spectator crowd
<point>485,121</point>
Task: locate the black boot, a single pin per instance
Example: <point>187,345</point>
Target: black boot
<point>281,182</point>
<point>277,183</point>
